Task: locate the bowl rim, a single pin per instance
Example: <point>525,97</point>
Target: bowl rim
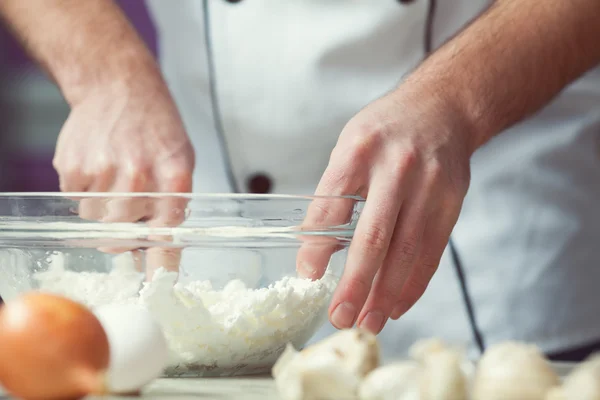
<point>32,231</point>
<point>191,196</point>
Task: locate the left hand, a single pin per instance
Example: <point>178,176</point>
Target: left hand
<point>408,155</point>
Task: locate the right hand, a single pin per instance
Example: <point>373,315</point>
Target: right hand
<point>128,139</point>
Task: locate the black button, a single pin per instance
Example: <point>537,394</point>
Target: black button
<point>405,1</point>
<point>259,184</point>
<point>233,1</point>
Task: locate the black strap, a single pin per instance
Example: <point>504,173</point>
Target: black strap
<point>216,110</point>
<point>477,335</point>
<point>429,26</point>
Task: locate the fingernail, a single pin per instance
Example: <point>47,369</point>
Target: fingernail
<point>343,316</point>
<point>373,322</point>
<point>400,310</point>
<point>307,270</point>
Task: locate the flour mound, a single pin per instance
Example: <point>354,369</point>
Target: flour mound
<point>210,332</point>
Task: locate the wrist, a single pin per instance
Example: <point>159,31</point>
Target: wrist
<point>119,72</point>
<point>436,99</point>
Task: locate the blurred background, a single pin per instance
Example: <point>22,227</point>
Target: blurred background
<point>32,111</point>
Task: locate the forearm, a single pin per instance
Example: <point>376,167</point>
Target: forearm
<point>83,45</point>
<point>513,60</point>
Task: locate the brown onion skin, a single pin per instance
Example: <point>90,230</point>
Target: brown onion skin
<point>51,348</point>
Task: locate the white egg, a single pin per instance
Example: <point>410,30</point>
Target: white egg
<point>138,349</point>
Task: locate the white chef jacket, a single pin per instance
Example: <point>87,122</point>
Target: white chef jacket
<point>266,86</point>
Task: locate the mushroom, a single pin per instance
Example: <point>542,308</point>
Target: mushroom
<point>396,381</point>
<point>330,369</point>
<point>513,371</point>
<point>434,373</point>
<point>442,377</point>
<point>583,383</point>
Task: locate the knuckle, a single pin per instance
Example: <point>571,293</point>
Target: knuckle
<point>136,169</point>
<point>407,160</point>
<point>322,214</point>
<point>56,163</point>
<point>387,295</point>
<point>358,286</point>
<point>461,183</point>
<point>177,177</point>
<point>376,237</point>
<point>423,275</point>
<point>368,139</point>
<point>69,170</point>
<point>435,170</point>
<point>407,249</point>
<point>104,169</point>
<point>339,178</point>
<point>428,269</point>
<point>414,289</point>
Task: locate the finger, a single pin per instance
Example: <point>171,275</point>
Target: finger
<point>168,211</point>
<point>127,208</point>
<point>367,251</point>
<point>165,257</point>
<point>94,208</point>
<point>435,239</point>
<point>171,210</point>
<point>72,179</point>
<point>326,211</point>
<point>396,267</point>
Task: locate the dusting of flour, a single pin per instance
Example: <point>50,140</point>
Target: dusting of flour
<point>235,330</point>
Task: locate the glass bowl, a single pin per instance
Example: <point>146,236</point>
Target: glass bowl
<point>218,272</point>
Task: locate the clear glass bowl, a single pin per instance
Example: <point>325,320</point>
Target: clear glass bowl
<point>219,272</point>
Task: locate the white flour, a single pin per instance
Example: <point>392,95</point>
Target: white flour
<point>210,332</point>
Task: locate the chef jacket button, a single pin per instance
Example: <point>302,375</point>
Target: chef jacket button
<point>259,184</point>
<point>406,1</point>
<point>233,1</point>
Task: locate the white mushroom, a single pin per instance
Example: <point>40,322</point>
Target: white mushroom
<point>444,370</point>
<point>513,371</point>
<point>442,377</point>
<point>583,383</point>
<point>424,348</point>
<point>331,369</point>
<point>396,381</point>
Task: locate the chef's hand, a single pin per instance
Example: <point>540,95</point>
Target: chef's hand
<point>128,139</point>
<point>408,155</point>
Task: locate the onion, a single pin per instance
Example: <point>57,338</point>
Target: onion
<point>51,348</point>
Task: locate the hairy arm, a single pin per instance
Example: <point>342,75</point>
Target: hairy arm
<point>82,45</point>
<point>513,60</point>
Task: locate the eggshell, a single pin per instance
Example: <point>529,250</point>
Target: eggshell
<point>138,349</point>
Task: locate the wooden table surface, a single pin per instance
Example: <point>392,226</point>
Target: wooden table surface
<point>248,388</point>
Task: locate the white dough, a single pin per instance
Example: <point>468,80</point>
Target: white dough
<point>138,349</point>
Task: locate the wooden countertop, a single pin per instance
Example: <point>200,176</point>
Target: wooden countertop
<point>247,388</point>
